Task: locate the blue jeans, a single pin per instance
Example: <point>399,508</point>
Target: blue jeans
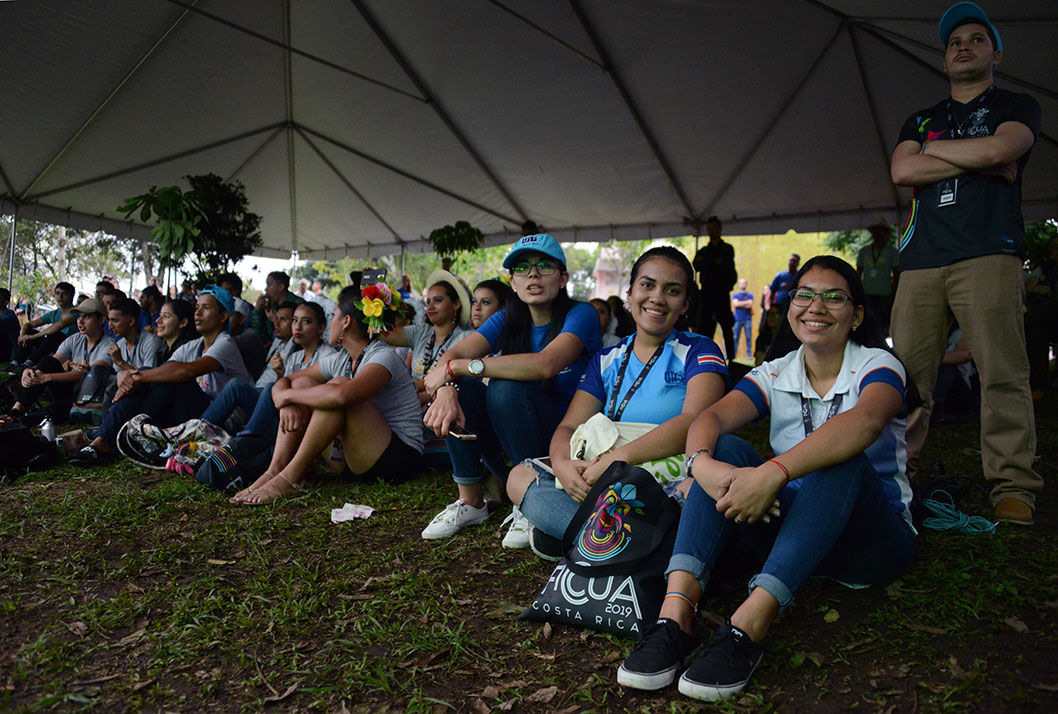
<point>744,326</point>
<point>516,416</point>
<point>548,508</point>
<point>235,394</point>
<point>167,403</point>
<point>838,524</point>
<point>265,417</point>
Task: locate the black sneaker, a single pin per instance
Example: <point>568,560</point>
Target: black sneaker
<point>90,456</point>
<point>547,547</point>
<point>723,667</point>
<point>661,653</point>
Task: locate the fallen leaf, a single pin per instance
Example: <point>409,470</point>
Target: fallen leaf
<point>569,710</point>
<point>514,684</point>
<point>1046,687</point>
<point>342,709</point>
<point>98,680</point>
<point>928,628</point>
<point>142,685</point>
<point>78,628</point>
<point>546,631</point>
<point>129,639</point>
<point>510,608</point>
<point>815,658</point>
<point>857,643</point>
<point>956,670</point>
<point>548,657</point>
<point>481,707</point>
<point>544,695</point>
<point>217,561</point>
<point>831,616</point>
<point>1016,625</point>
<point>585,635</point>
<point>464,602</point>
<point>280,697</point>
<point>490,692</point>
<point>506,706</point>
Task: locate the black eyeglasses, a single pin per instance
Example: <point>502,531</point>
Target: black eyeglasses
<point>543,268</point>
<point>832,299</point>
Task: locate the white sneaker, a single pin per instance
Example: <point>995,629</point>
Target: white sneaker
<point>454,518</point>
<point>518,534</point>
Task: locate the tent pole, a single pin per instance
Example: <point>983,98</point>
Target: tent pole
<point>403,250</point>
<point>11,250</point>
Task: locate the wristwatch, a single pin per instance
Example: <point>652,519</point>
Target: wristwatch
<point>690,461</point>
<point>476,367</point>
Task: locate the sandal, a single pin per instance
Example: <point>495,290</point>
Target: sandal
<point>274,494</point>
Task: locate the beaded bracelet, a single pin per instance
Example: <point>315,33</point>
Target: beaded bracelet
<point>453,385</point>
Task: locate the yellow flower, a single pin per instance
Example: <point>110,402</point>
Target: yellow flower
<point>373,307</point>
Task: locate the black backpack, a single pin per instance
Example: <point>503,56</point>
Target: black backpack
<point>22,452</point>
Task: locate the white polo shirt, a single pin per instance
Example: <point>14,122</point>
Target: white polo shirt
<point>777,388</point>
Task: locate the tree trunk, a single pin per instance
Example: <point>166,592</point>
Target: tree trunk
<point>60,239</point>
<point>148,264</point>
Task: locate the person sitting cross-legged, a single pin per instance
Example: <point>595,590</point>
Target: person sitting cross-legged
<point>659,375</point>
<point>833,502</point>
<point>181,388</point>
<point>60,374</point>
<point>362,393</point>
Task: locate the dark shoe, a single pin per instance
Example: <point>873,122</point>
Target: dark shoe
<point>91,456</point>
<point>662,652</point>
<point>547,547</point>
<point>723,668</point>
<point>1011,510</point>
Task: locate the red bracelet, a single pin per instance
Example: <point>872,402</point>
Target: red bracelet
<point>784,469</point>
<point>449,374</point>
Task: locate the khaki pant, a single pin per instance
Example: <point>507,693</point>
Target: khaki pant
<point>986,296</point>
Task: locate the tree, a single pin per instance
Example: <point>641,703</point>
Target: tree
<point>229,230</point>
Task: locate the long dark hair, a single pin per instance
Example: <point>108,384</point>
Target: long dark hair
<point>500,289</point>
<point>518,327</point>
<point>184,311</point>
<point>671,254</point>
<point>452,295</point>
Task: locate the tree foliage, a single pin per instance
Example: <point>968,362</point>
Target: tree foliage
<point>178,214</point>
<point>229,232</point>
<point>449,241</point>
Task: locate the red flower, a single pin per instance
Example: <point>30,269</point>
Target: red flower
<point>371,292</point>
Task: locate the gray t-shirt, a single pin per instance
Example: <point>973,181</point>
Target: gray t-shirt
<point>296,363</point>
<point>225,352</point>
<point>419,336</point>
<point>147,353</point>
<point>285,349</point>
<point>398,402</point>
<point>75,348</point>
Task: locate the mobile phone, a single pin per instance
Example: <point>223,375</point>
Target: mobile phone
<point>371,276</point>
<point>457,431</point>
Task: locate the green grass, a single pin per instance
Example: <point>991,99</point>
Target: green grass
<point>123,589</point>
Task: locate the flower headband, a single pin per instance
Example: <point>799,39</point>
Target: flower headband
<point>374,301</point>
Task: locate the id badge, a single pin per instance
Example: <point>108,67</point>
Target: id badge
<point>872,273</point>
<point>949,191</point>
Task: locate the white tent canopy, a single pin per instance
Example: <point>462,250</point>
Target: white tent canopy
<point>358,126</point>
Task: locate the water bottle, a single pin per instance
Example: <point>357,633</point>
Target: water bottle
<point>48,430</point>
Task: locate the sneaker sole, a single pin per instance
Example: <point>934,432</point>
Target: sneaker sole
<point>544,556</point>
<point>713,692</point>
<point>518,544</point>
<point>648,682</point>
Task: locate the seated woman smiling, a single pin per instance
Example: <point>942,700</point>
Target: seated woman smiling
<point>658,375</point>
<point>838,476</point>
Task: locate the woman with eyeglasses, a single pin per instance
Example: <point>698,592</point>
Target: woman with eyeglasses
<point>832,502</point>
<point>545,339</point>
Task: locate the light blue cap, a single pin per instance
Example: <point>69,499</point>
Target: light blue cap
<point>958,14</point>
<point>221,295</point>
<point>536,243</point>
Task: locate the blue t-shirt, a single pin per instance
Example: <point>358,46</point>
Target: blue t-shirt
<point>742,314</point>
<point>781,286</point>
<point>661,395</point>
<point>148,320</point>
<point>582,321</point>
<point>56,316</point>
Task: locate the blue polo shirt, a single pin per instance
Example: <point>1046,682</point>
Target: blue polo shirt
<point>661,395</point>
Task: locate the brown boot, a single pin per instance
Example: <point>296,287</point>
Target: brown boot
<point>1014,511</point>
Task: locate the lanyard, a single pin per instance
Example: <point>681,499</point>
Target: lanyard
<point>359,359</point>
<point>956,127</point>
<point>430,353</point>
<point>615,412</point>
<point>806,412</point>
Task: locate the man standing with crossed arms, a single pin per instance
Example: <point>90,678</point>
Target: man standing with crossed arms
<point>961,252</point>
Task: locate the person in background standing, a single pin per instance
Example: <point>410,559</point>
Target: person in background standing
<point>715,264</point>
<point>783,281</point>
<point>879,267</point>
<point>742,303</point>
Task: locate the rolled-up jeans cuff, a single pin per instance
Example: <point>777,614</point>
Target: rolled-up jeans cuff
<point>688,564</point>
<point>774,587</point>
<point>464,481</point>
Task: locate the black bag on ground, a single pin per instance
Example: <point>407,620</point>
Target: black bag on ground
<point>238,464</point>
<point>617,547</point>
<point>21,451</point>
